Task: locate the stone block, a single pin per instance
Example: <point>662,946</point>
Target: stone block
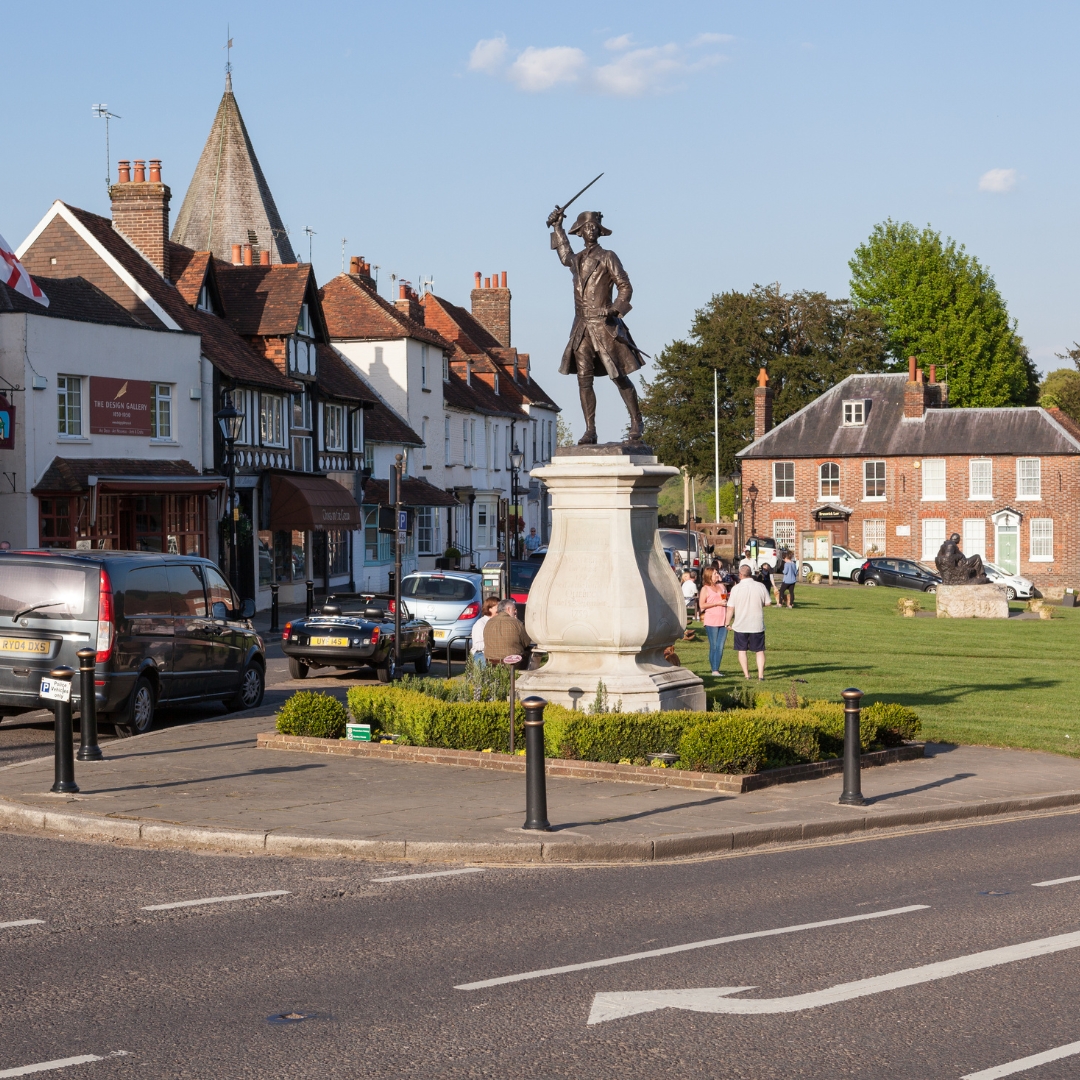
<point>972,602</point>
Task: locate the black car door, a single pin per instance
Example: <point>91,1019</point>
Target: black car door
<point>148,622</point>
<point>191,635</point>
<point>887,571</point>
<point>226,636</point>
<point>908,575</point>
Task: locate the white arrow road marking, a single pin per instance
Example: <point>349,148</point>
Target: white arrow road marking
<point>716,1000</point>
<point>1023,1064</point>
<point>59,1063</point>
<point>1056,881</point>
<point>608,961</point>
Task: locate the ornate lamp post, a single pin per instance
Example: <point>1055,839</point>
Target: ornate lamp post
<point>752,491</point>
<point>517,459</point>
<point>231,423</point>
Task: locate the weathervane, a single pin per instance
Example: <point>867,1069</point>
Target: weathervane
<point>228,51</point>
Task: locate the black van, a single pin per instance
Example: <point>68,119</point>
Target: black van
<point>168,629</point>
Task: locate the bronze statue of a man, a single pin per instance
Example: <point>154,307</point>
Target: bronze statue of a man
<point>957,569</point>
<point>599,336</point>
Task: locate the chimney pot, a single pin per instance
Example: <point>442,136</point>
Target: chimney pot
<point>124,172</point>
<point>911,369</point>
<point>142,215</point>
<point>354,264</point>
<point>247,254</point>
<point>155,170</point>
<point>919,375</point>
<point>504,279</point>
<point>140,171</point>
<point>933,374</point>
<point>264,258</point>
<point>477,285</point>
<point>403,291</point>
<point>487,283</point>
<point>237,257</point>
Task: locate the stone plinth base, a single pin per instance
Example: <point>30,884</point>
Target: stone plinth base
<point>972,602</point>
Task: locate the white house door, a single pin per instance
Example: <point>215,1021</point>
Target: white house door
<point>1007,548</point>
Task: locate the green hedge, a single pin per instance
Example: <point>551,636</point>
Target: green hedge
<point>310,713</point>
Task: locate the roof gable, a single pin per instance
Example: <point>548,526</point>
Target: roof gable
<point>354,311</point>
<point>265,301</point>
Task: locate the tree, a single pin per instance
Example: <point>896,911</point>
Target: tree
<point>941,304</point>
<point>805,341</point>
<point>564,433</point>
<point>1061,389</point>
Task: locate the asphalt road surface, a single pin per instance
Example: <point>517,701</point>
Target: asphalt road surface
<point>111,983</point>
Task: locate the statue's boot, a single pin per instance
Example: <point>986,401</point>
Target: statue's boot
<point>630,399</point>
<point>588,407</point>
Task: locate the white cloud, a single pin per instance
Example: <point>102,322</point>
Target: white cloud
<point>639,71</point>
<point>541,69</point>
<point>998,181</point>
<point>712,39</point>
<point>488,55</point>
<point>617,44</point>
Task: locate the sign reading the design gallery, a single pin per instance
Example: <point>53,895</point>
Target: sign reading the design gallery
<point>119,406</point>
<point>56,689</point>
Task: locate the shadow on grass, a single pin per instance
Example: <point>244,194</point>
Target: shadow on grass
<point>922,787</point>
<point>950,695</point>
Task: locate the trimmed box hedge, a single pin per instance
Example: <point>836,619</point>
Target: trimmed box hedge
<point>314,714</point>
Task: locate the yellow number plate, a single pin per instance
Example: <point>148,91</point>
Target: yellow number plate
<point>440,635</point>
<point>337,641</point>
<point>24,645</point>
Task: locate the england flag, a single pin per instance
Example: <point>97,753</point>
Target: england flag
<point>13,274</point>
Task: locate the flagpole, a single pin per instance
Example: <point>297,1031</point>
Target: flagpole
<point>716,448</point>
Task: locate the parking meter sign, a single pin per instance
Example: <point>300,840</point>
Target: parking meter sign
<point>55,689</point>
<point>403,521</point>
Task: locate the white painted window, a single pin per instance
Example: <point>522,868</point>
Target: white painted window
<point>550,440</point>
<point>534,427</point>
<point>784,535</point>
<point>423,453</point>
<point>1042,539</point>
<point>303,325</point>
<point>933,536</point>
<point>1029,478</point>
<point>423,377</point>
<point>69,406</point>
<point>854,413</point>
<point>204,304</point>
<point>161,398</point>
<point>369,463</point>
<point>425,532</point>
<point>482,517</point>
<point>974,537</point>
<point>828,482</point>
<point>495,454</point>
<point>495,386</point>
<point>446,448</point>
<point>301,452</point>
<point>446,378</point>
<point>981,479</point>
<point>334,428</point>
<point>466,460</point>
<point>873,536</point>
<point>357,419</point>
<point>783,481</point>
<point>301,411</point>
<point>271,420</point>
<point>472,445</point>
<point>874,480</point>
<point>933,480</point>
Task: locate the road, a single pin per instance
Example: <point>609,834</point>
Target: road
<point>372,967</point>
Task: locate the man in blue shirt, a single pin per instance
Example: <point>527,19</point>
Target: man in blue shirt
<point>532,542</point>
<point>790,576</point>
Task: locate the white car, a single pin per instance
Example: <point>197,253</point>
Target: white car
<point>1016,587</point>
<point>846,564</point>
<point>759,550</point>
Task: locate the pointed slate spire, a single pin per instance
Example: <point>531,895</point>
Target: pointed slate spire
<point>229,201</point>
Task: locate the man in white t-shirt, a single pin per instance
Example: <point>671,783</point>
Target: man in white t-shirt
<point>746,616</point>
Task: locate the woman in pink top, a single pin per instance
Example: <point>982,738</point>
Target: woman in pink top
<point>712,601</point>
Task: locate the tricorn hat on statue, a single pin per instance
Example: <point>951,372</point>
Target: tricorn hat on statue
<point>589,215</point>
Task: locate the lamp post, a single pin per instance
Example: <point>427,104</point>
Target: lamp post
<point>752,491</point>
<point>517,460</point>
<point>231,422</point>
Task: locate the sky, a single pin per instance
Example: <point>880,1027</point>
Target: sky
<point>740,143</point>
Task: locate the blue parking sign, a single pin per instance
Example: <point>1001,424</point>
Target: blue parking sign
<point>403,520</point>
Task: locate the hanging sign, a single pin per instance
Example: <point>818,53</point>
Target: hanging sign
<point>119,406</point>
<point>7,424</point>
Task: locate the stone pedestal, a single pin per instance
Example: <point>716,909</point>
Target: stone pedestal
<point>605,603</point>
<point>972,602</point>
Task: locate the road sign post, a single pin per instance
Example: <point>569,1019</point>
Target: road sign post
<point>402,520</point>
<point>512,662</point>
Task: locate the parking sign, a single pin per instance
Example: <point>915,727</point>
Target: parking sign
<point>403,521</point>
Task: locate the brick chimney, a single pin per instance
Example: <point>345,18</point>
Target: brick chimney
<point>914,393</point>
<point>140,212</point>
<point>408,303</point>
<point>763,396</point>
<point>491,307</point>
<point>360,268</point>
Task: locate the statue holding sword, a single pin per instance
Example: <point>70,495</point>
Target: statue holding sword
<point>599,339</point>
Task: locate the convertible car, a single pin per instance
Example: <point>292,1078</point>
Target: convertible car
<point>352,639</point>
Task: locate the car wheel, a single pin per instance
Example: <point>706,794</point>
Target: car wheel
<point>422,664</point>
<point>297,669</point>
<point>138,717</point>
<point>252,686</point>
<point>387,669</point>
<point>930,589</point>
<point>1010,593</point>
<point>870,581</point>
<point>807,570</point>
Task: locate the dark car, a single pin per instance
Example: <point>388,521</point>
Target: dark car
<point>900,573</point>
<point>363,637</point>
<point>167,629</point>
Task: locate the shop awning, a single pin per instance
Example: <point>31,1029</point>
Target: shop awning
<point>311,502</point>
<point>74,476</point>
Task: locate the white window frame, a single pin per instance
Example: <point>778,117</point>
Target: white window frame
<point>1043,543</point>
<point>446,378</point>
<point>272,428</point>
<point>446,448</point>
<point>333,427</point>
<point>783,532</point>
<point>303,324</point>
<point>302,453</point>
<point>973,537</point>
<point>161,399</point>
<point>425,531</point>
<point>935,540</point>
<point>980,488</point>
<point>855,412</point>
<point>778,480</point>
<point>423,373</point>
<point>304,400</point>
<point>472,442</point>
<point>832,481</point>
<point>1029,487</point>
<point>931,491</point>
<point>356,423</point>
<point>69,425</point>
<point>874,529</point>
<point>883,480</point>
<point>423,450</point>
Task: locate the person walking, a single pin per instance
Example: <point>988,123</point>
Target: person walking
<point>789,576</point>
<point>746,616</point>
<point>505,636</point>
<point>476,641</point>
<point>712,603</point>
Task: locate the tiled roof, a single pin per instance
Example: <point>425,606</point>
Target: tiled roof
<point>415,491</point>
<point>72,298</point>
<point>72,474</point>
<point>817,430</point>
<point>338,379</point>
<point>477,397</point>
<point>354,311</point>
<point>266,300</point>
<point>188,269</point>
<point>1066,421</point>
<point>448,320</point>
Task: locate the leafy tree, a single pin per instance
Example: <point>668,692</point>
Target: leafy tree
<point>727,501</point>
<point>1061,388</point>
<point>564,433</point>
<point>941,304</point>
<point>805,341</point>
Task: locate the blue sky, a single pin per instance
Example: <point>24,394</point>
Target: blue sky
<point>740,143</point>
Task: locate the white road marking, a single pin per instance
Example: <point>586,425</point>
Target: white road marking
<point>216,900</point>
<point>1056,881</point>
<point>59,1063</point>
<point>608,961</point>
<point>21,922</point>
<point>433,873</point>
<point>1023,1064</point>
<point>716,999</point>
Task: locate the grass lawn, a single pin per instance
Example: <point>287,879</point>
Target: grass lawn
<point>985,681</point>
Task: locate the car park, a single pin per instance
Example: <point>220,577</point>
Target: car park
<point>167,629</point>
<point>899,573</point>
<point>1016,587</point>
<point>361,637</point>
<point>846,564</point>
<point>447,600</point>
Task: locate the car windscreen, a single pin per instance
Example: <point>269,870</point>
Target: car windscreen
<point>53,591</point>
<point>434,587</point>
<point>676,539</point>
<point>522,574</point>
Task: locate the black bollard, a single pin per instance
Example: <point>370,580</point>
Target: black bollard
<point>274,609</point>
<point>535,779</point>
<point>88,744</point>
<point>852,795</point>
<point>310,598</point>
<point>59,695</point>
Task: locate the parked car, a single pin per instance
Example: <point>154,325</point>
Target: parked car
<point>363,637</point>
<point>522,575</point>
<point>1016,587</point>
<point>447,600</point>
<point>759,550</point>
<point>846,564</point>
<point>899,573</point>
<point>168,629</point>
<point>674,540</point>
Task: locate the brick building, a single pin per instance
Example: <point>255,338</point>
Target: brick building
<point>890,469</point>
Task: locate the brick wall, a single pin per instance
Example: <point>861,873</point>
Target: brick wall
<point>903,509</point>
<point>141,212</point>
<point>491,309</point>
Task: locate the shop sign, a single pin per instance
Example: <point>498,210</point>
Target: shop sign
<point>7,424</point>
<point>119,406</point>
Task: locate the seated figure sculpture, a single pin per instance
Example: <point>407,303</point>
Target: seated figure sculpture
<point>955,568</point>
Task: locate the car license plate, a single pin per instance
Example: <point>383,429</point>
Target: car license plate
<point>440,635</point>
<point>338,642</point>
<point>24,645</point>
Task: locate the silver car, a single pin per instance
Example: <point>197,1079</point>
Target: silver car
<point>449,600</point>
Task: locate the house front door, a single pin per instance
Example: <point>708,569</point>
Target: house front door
<point>1006,548</point>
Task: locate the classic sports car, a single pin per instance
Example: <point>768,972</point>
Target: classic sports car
<point>361,638</point>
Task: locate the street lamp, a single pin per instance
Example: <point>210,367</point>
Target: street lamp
<point>517,460</point>
<point>752,491</point>
<point>231,423</point>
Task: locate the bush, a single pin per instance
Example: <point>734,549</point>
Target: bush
<point>614,736</point>
<point>722,745</point>
<point>488,683</point>
<point>895,723</point>
<point>310,713</point>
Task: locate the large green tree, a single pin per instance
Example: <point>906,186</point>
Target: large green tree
<point>941,305</point>
<point>1061,388</point>
<point>805,341</point>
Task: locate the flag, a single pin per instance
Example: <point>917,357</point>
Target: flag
<point>13,274</point>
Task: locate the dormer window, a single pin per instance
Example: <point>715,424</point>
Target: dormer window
<point>855,413</point>
<point>303,326</point>
<point>203,303</point>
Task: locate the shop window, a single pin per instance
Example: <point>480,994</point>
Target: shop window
<point>69,406</point>
<point>378,547</point>
<point>783,481</point>
<point>54,522</point>
<point>829,481</point>
<point>290,555</point>
<point>266,558</point>
<point>337,550</point>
